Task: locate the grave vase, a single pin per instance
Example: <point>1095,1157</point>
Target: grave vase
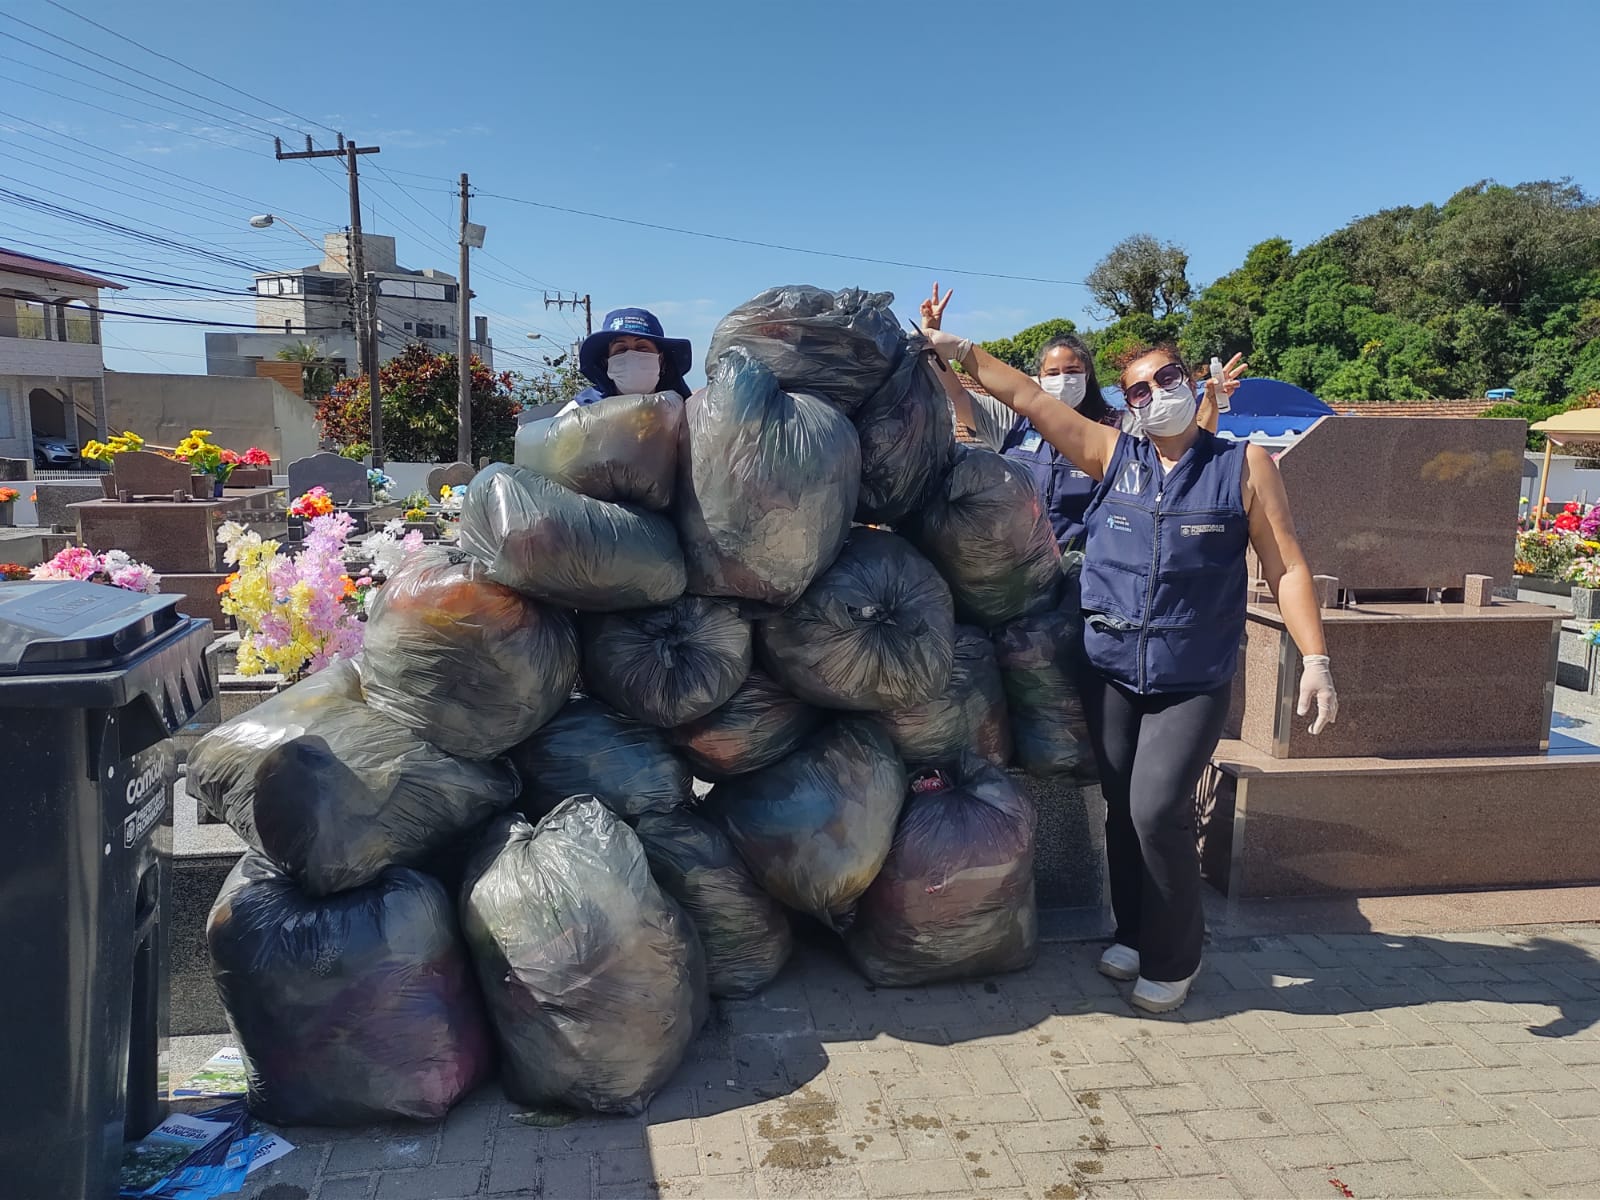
<point>6,520</point>
<point>108,485</point>
<point>200,487</point>
<point>1585,604</point>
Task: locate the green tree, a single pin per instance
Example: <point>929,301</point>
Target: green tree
<point>1021,350</point>
<point>1221,317</point>
<point>419,408</point>
<point>558,383</point>
<point>1142,276</point>
<point>317,373</point>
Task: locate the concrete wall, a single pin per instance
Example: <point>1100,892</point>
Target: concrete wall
<point>1567,480</point>
<point>239,412</point>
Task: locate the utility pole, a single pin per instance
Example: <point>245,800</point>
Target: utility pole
<point>575,303</point>
<point>363,291</point>
<point>464,341</point>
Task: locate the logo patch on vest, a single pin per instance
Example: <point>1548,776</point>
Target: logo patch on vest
<point>1030,441</point>
<point>1131,481</point>
<point>1118,523</point>
<point>1197,530</point>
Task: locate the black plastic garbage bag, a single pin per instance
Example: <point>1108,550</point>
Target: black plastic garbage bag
<point>907,434</point>
<point>985,529</point>
<point>554,544</point>
<point>766,486</point>
<point>815,828</point>
<point>592,750</point>
<point>1037,656</point>
<point>969,716</point>
<point>875,631</point>
<point>466,663</point>
<point>594,977</point>
<point>955,897</point>
<point>759,724</point>
<point>668,665</point>
<point>743,931</point>
<point>334,791</point>
<point>842,345</point>
<point>622,448</point>
<point>349,1009</point>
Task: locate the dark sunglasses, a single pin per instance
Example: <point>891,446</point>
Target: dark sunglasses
<point>1138,394</point>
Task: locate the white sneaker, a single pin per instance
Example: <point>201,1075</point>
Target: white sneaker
<point>1120,962</point>
<point>1157,997</point>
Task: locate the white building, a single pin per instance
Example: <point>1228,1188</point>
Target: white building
<point>51,363</point>
<point>315,305</point>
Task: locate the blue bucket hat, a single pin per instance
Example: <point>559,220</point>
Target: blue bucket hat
<point>677,354</point>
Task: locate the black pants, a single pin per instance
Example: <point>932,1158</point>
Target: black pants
<point>1151,751</point>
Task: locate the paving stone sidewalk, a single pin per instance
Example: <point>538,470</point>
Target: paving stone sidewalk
<point>1325,1066</point>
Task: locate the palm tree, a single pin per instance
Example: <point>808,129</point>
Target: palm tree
<point>317,373</point>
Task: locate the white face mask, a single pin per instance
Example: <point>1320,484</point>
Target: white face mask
<point>634,371</point>
<point>1068,388</point>
<point>1170,411</point>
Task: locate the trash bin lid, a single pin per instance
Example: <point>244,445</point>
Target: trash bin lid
<point>64,626</point>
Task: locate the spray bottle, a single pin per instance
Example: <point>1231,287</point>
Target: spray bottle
<point>1218,377</point>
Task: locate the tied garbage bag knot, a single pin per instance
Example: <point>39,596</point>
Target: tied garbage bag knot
<point>670,665</point>
<point>875,631</point>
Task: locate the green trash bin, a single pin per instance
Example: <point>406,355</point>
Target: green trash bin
<point>93,682</point>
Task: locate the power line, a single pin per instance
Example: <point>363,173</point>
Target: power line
<point>150,170</point>
<point>138,316</point>
<point>97,72</point>
<point>739,241</point>
<point>61,211</point>
<point>189,67</point>
<point>146,74</point>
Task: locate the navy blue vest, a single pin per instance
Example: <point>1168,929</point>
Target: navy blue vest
<point>1065,489</point>
<point>1164,572</point>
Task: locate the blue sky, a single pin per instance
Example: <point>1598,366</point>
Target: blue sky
<point>1015,139</point>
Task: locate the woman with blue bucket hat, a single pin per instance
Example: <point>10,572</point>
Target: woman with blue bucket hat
<point>630,355</point>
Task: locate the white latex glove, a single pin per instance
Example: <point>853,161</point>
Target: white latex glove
<point>1316,684</point>
<point>949,347</point>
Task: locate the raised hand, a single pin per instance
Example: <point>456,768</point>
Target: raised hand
<point>933,308</point>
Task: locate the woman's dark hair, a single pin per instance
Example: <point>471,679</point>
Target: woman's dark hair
<point>1094,405</point>
<point>1145,351</point>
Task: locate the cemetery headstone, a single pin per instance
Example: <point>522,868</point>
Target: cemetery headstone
<point>142,473</point>
<point>344,478</point>
<point>456,474</point>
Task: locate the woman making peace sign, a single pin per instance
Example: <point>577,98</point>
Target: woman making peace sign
<point>1166,526</point>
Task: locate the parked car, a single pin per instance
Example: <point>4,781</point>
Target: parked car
<point>54,452</point>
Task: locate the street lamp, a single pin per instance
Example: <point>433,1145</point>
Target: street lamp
<point>534,337</point>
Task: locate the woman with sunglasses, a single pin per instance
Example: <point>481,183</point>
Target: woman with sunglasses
<point>1164,593</point>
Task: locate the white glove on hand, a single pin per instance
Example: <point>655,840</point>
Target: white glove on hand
<point>1316,684</point>
<point>949,347</point>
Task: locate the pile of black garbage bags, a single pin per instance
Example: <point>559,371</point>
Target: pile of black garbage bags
<point>481,847</point>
